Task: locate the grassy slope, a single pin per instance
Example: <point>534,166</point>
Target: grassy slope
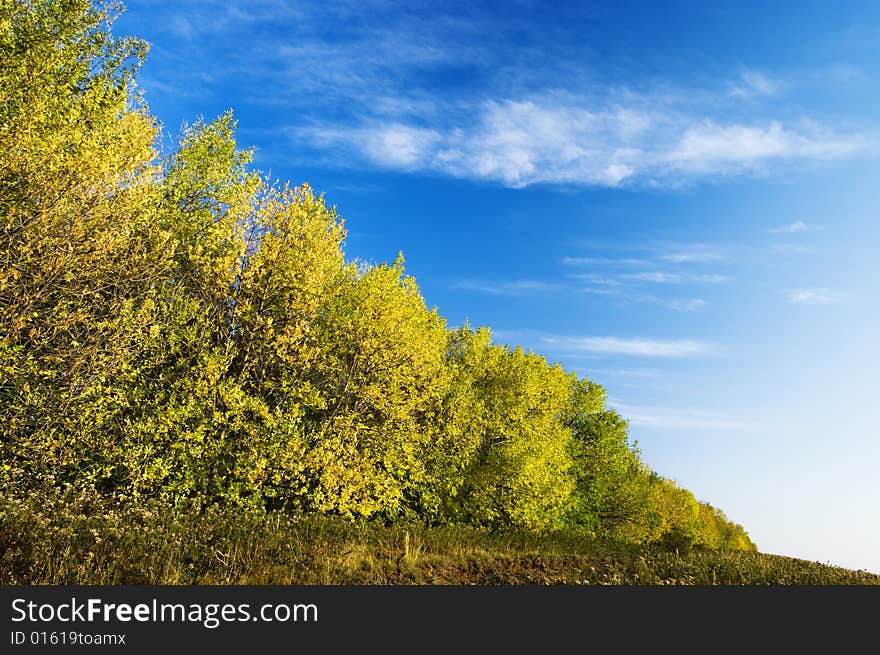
<point>85,544</point>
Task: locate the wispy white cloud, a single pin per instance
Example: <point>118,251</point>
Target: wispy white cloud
<point>678,418</point>
<point>604,261</point>
<point>358,188</point>
<point>598,291</point>
<point>437,92</point>
<point>790,248</point>
<point>182,27</point>
<point>595,285</point>
<point>515,287</point>
<point>637,373</point>
<point>753,84</point>
<point>607,278</point>
<point>674,304</point>
<point>713,148</point>
<point>678,348</point>
<point>688,305</point>
<point>657,277</point>
<point>396,145</point>
<point>790,228</point>
<point>519,143</point>
<point>660,277</point>
<point>663,253</point>
<point>601,280</point>
<point>708,278</point>
<point>696,253</point>
<point>811,297</point>
<point>399,145</point>
<point>215,17</point>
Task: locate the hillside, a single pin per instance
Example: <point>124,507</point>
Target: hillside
<point>143,546</point>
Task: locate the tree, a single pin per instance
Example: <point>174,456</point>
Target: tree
<point>76,171</point>
<point>507,461</point>
<point>378,373</point>
<point>181,327</point>
<point>610,499</point>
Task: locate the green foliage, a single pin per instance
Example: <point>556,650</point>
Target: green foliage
<point>377,373</point>
<point>503,456</point>
<point>76,154</point>
<point>180,330</point>
<point>610,500</point>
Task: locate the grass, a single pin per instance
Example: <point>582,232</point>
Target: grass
<point>80,541</point>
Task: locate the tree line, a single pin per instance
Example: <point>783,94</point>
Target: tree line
<point>179,326</point>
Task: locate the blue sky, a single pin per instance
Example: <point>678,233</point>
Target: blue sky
<point>675,199</point>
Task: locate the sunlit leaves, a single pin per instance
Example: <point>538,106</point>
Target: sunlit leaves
<point>181,328</point>
<point>504,458</point>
